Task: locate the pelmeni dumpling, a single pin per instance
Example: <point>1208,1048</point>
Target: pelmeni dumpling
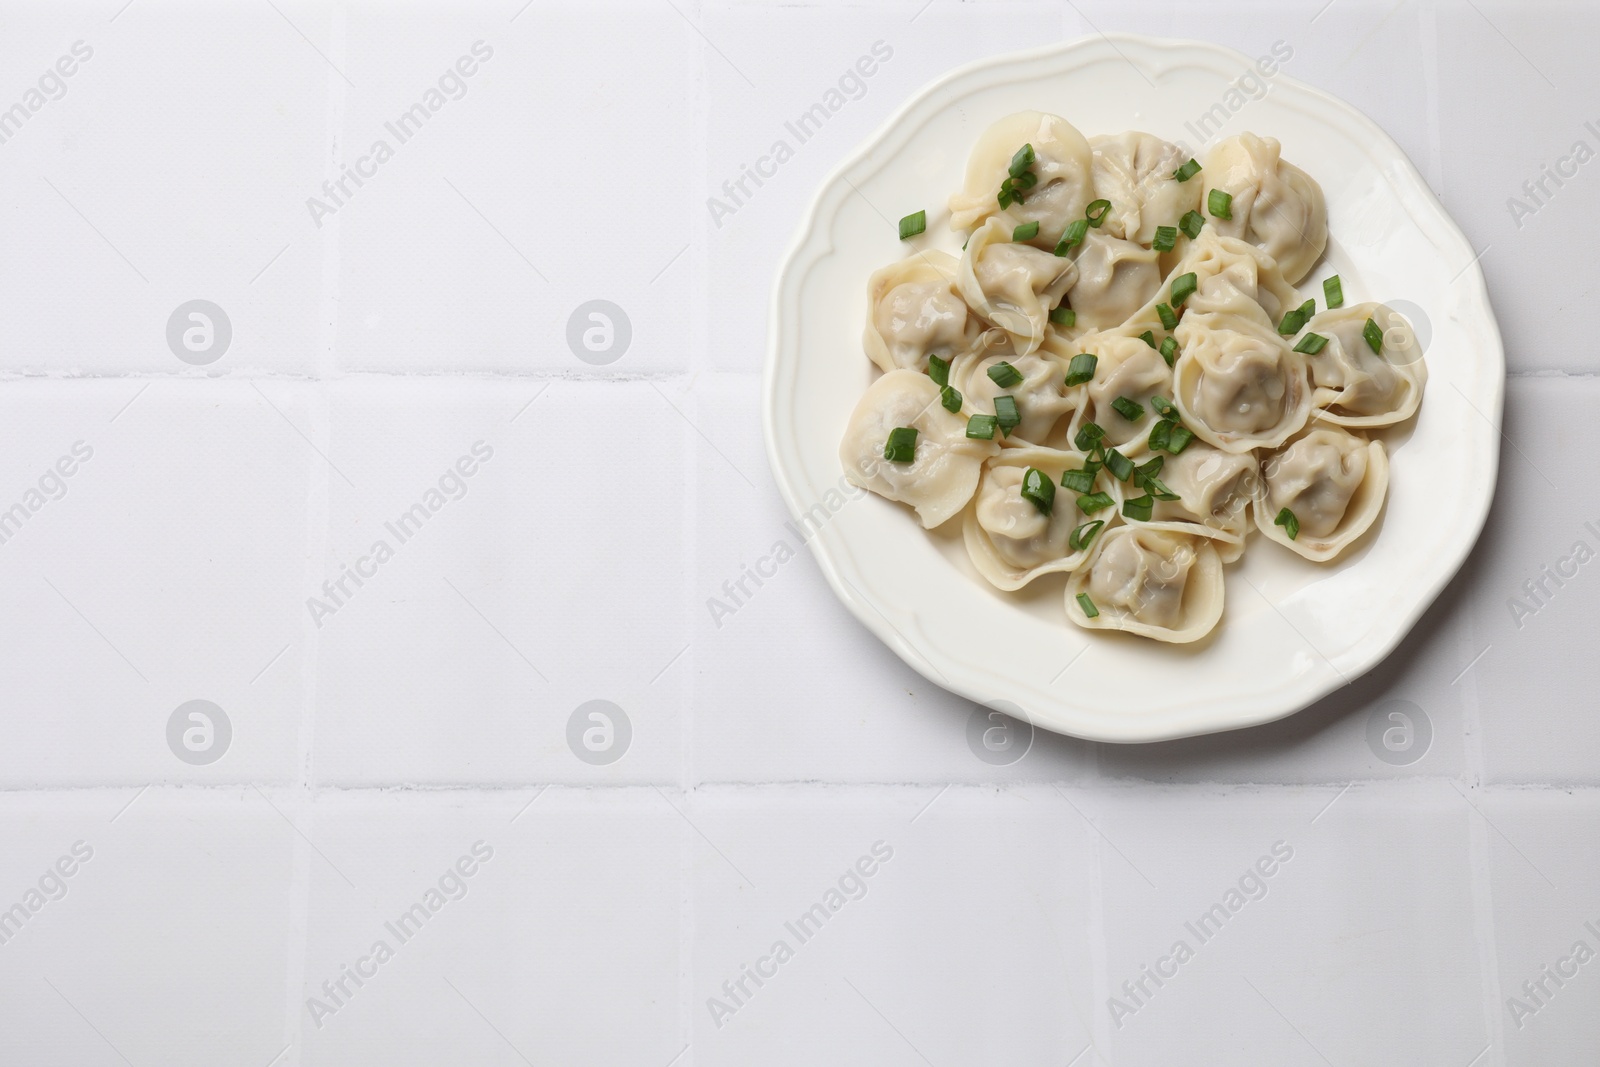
<point>1062,164</point>
<point>1237,384</point>
<point>1333,481</point>
<point>1009,539</point>
<point>914,311</point>
<point>1133,170</point>
<point>941,477</point>
<point>1276,206</point>
<point>1355,386</point>
<point>1125,367</point>
<point>1234,276</point>
<point>1045,405</point>
<point>1015,286</point>
<point>1214,489</point>
<point>1115,279</point>
<point>1152,580</point>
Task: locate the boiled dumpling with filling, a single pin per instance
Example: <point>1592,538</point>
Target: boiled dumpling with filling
<point>1061,180</point>
<point>914,311</point>
<point>1128,369</point>
<point>1234,276</point>
<point>1045,406</point>
<point>943,471</point>
<point>1115,279</point>
<point>1213,490</point>
<point>1237,384</point>
<point>1355,385</point>
<point>1012,539</point>
<point>1013,285</point>
<point>1149,580</point>
<point>1133,170</point>
<point>1332,482</point>
<point>1276,206</point>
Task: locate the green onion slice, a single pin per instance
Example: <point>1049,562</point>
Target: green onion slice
<point>1187,171</point>
<point>1374,337</point>
<point>1182,286</point>
<point>1064,316</point>
<point>1160,434</point>
<point>1149,338</point>
<point>1169,318</point>
<point>1131,410</point>
<point>1039,490</point>
<point>950,399</point>
<point>1090,503</point>
<point>1290,524</point>
<point>1191,224</point>
<point>1164,406</point>
<point>1088,435</point>
<point>1119,465</point>
<point>901,446</point>
<point>913,224</point>
<point>1081,537</point>
<point>1311,344</point>
<point>1005,413</point>
<point>1026,232</point>
<point>1169,350</point>
<point>1179,439</point>
<point>1333,291</point>
<point>1166,237</point>
<point>1072,235</point>
<point>1139,507</point>
<point>981,427</point>
<point>1079,481</point>
<point>1220,204</point>
<point>1088,606</point>
<point>1081,369</point>
<point>939,370</point>
<point>1021,161</point>
<point>1004,375</point>
<point>1096,212</point>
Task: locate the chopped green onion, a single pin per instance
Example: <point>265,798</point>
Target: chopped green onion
<point>981,427</point>
<point>1374,336</point>
<point>1152,468</point>
<point>1081,369</point>
<point>1026,232</point>
<point>1072,235</point>
<point>1064,316</point>
<point>1166,237</point>
<point>913,224</point>
<point>1290,524</point>
<point>1088,606</point>
<point>1296,319</point>
<point>1139,507</point>
<point>1149,338</point>
<point>1333,290</point>
<point>950,399</point>
<point>1079,481</point>
<point>1088,435</point>
<point>1083,535</point>
<point>1021,161</point>
<point>1090,503</point>
<point>1164,406</point>
<point>1187,171</point>
<point>1160,434</point>
<point>1220,204</point>
<point>1096,212</point>
<point>1182,286</point>
<point>1131,410</point>
<point>1311,344</point>
<point>1026,180</point>
<point>1005,413</point>
<point>1169,349</point>
<point>1119,465</point>
<point>1191,224</point>
<point>939,370</point>
<point>1169,318</point>
<point>1179,439</point>
<point>1039,490</point>
<point>1155,487</point>
<point>1004,375</point>
<point>901,446</point>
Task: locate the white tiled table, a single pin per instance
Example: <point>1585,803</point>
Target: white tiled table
<point>421,727</point>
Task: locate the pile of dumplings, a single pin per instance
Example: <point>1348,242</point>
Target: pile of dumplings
<point>1116,377</point>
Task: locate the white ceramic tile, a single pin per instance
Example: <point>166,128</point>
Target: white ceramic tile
<point>888,912</point>
<point>549,577</point>
<point>167,943</point>
<point>545,920</point>
<point>134,193</point>
<point>158,572</point>
<point>499,215</point>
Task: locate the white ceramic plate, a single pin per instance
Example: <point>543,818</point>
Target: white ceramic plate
<point>1292,631</point>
